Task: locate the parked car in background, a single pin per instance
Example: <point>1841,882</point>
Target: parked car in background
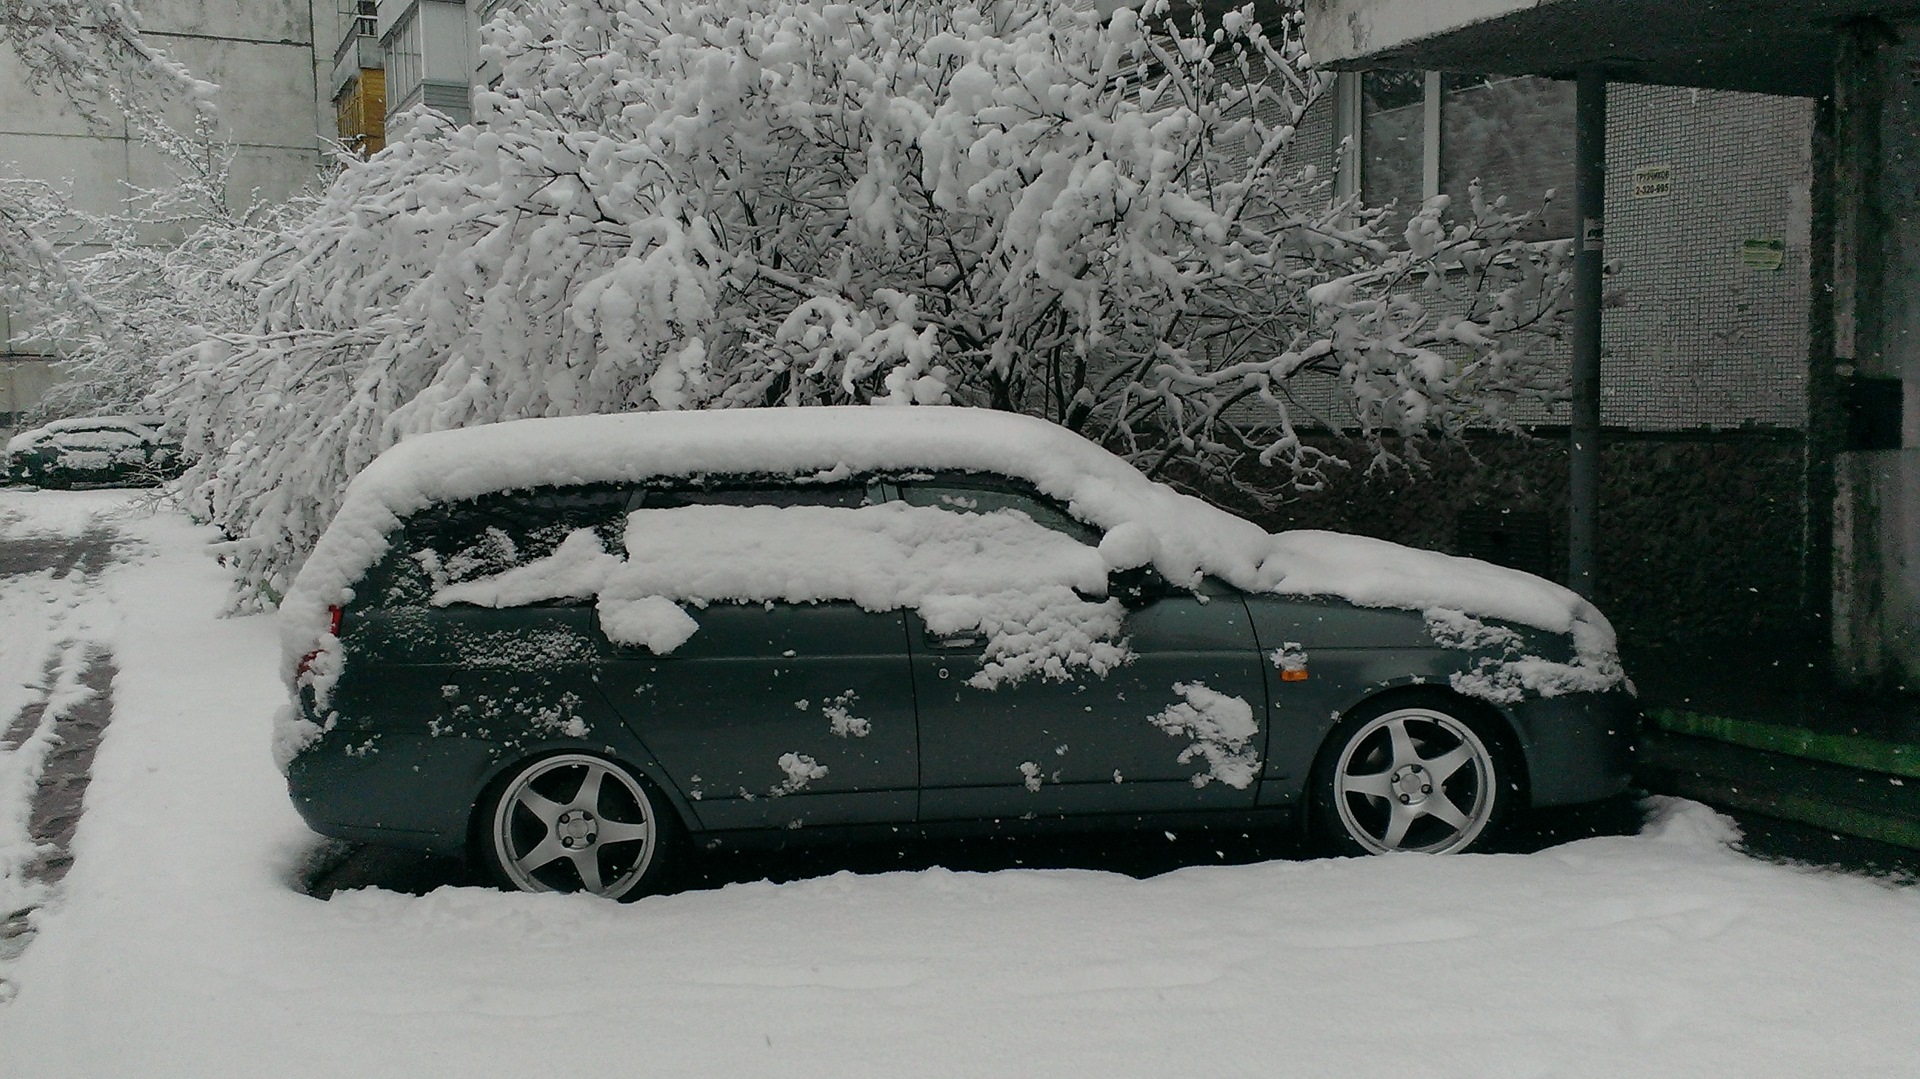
<point>90,451</point>
<point>567,646</point>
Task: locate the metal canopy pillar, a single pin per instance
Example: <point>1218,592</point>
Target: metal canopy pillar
<point>1583,450</point>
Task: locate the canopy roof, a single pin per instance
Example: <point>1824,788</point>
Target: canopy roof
<point>1764,46</point>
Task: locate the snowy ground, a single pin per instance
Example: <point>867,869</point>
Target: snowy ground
<point>177,945</point>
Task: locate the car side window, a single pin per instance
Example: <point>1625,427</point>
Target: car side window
<point>481,537</point>
<point>839,495</point>
<point>986,494</point>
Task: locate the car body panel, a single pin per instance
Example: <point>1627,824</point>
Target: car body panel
<point>1090,741</point>
<point>1579,747</point>
<point>760,681</point>
<point>399,790</point>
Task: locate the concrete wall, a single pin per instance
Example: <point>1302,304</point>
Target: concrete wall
<point>22,383</point>
<point>262,54</point>
<point>1876,604</point>
<point>1876,540</point>
<point>1876,518</point>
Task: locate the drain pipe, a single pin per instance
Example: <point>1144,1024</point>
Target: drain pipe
<point>1583,450</point>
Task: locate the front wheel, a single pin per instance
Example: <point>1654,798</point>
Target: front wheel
<point>577,823</point>
<point>1408,777</point>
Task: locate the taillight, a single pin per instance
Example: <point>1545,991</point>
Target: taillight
<point>333,629</point>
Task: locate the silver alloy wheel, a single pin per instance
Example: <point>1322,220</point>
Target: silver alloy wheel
<point>1414,779</point>
<point>574,822</point>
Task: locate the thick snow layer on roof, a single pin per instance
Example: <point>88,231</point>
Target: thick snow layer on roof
<point>143,426</point>
<point>1181,535</point>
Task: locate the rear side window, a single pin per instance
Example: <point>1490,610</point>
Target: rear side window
<point>482,537</point>
<point>968,493</point>
<point>842,495</point>
<point>463,541</point>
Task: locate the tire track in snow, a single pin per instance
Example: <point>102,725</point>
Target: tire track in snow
<point>55,700</point>
<point>46,761</point>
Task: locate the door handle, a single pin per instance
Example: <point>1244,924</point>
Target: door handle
<point>954,642</point>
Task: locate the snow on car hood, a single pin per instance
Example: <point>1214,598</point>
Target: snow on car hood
<point>1145,521</point>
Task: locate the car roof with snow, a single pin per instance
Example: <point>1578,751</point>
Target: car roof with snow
<point>1144,521</point>
<point>144,425</point>
<point>96,423</point>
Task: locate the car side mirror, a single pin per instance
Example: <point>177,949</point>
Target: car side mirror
<point>1138,587</point>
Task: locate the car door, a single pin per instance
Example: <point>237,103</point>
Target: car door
<point>1156,734</point>
<point>776,715</point>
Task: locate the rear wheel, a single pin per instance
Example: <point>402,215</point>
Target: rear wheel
<point>578,823</point>
<point>1412,775</point>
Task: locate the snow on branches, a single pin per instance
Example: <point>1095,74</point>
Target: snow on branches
<point>150,279</point>
<point>789,202</point>
<point>94,52</point>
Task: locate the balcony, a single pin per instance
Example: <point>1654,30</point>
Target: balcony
<point>358,51</point>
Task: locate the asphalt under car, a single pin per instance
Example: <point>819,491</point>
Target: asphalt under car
<point>566,757</point>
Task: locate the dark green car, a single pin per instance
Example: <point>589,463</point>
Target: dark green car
<point>94,451</point>
<point>566,646</point>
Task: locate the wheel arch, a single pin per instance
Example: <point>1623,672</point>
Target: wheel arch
<point>1508,739</point>
<point>499,773</point>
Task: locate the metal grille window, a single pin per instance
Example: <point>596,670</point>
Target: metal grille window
<point>1709,219</point>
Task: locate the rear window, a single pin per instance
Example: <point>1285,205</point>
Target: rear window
<point>841,495</point>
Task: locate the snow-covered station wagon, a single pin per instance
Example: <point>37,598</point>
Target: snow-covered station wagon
<point>565,646</point>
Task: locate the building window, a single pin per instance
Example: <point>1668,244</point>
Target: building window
<point>1393,119</point>
<point>406,60</point>
<point>1422,134</point>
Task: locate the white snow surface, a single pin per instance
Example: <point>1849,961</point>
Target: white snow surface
<point>1182,536</point>
<point>178,947</point>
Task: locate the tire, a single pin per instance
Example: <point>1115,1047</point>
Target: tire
<point>1410,774</point>
<point>575,822</point>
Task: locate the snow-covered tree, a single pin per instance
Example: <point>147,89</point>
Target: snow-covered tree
<point>788,202</point>
<point>152,277</point>
<point>93,54</point>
